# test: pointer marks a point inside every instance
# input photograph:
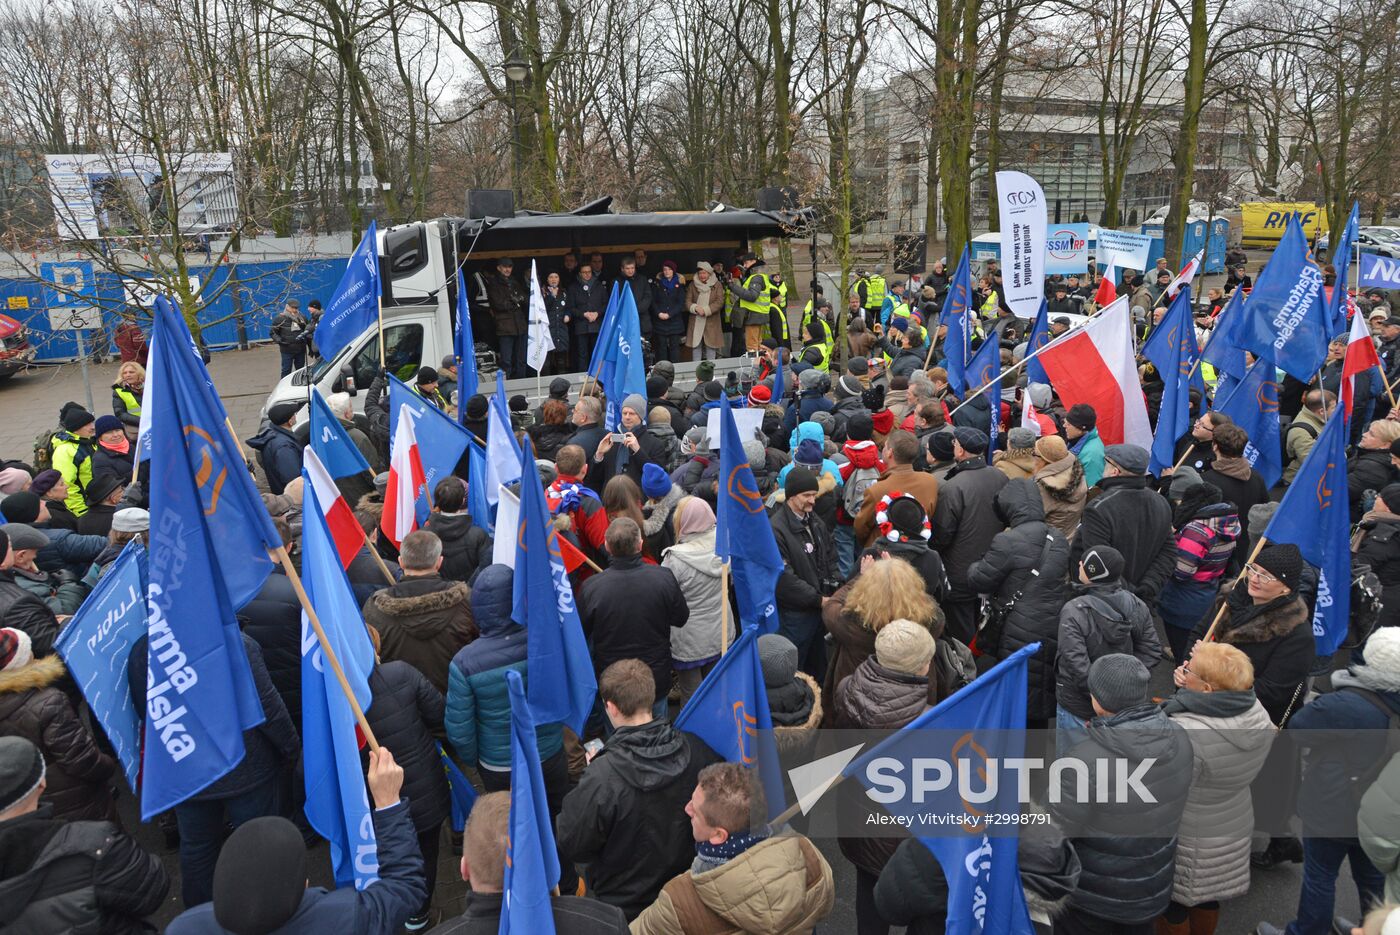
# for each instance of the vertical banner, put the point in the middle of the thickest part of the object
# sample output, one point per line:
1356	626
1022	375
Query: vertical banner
1021	205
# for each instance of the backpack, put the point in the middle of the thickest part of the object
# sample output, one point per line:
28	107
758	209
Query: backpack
861	480
43	450
1365	603
1287	430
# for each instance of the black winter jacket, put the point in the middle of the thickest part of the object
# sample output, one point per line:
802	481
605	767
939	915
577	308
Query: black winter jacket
548	439
465	545
965	520
587	297
670	302
641	293
1025	570
1277	637
628	611
1368	471
21	610
626	817
809	561
1380	548
1100	619
1137	521
273	619
1125	878
405	714
279	454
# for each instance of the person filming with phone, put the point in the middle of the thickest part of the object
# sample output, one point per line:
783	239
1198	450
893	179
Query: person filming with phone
628	450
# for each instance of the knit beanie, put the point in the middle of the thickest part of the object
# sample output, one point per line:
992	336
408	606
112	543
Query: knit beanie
16	649
656	483
1051	448
260	877
656	386
637	403
882	421
1118	682
827	422
810	380
20	508
809	455
1039	394
1382	653
859	427
44	481
799	480
13	480
847	386
1082	417
1103	563
704	371
21	771
940	446
903	646
1183	478
427	375
1390	493
757	456
476	407
777	656
75	417
1284	562
760	395
107	424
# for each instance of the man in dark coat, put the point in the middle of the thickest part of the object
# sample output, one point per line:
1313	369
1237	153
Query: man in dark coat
465	545
273	619
291	332
628	609
629	278
588	420
809	575
1132	518
507	298
22	610
277	447
588	300
67	875
964	524
1376	543
103	495
637	448
626	817
260	881
1228	470
1126	880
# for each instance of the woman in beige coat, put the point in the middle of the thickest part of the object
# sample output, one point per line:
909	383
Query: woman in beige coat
1060	478
704	300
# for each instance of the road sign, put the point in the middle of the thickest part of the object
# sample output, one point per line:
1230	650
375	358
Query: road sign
75	318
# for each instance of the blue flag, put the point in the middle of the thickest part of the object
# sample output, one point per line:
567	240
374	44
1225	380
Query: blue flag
1286	320
729	711
96	644
1038	338
984	368
778	381
460	788
606	332
562	683
464	346
1252	404
337	805
1341	262
502	451
331	443
210	535
532	859
743	534
957	309
623	371
979	862
1172	350
1223	349
354	305
441	439
477	504
1314	516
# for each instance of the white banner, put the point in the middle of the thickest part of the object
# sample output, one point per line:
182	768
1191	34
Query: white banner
1021	206
507	519
541	341
105	194
1122	250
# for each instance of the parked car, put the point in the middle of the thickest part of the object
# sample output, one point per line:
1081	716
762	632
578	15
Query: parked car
15	351
1383	241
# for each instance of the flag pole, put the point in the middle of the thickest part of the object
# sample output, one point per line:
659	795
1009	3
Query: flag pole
280	555
378	559
382	362
1210	633
724	609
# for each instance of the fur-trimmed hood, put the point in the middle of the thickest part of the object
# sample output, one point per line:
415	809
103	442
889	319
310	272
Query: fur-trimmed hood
40	673
1061	479
1270	621
794	735
661	511
447	595
825	485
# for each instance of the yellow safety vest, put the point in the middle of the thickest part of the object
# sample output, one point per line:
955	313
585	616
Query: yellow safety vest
825	365
990	306
132	401
763	287
875	292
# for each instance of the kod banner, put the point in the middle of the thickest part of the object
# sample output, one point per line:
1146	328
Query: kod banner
1021	204
1122	250
1379	272
1067	249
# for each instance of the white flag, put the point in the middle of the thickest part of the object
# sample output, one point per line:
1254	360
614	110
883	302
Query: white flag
1023	228
507	517
1028	419
541	343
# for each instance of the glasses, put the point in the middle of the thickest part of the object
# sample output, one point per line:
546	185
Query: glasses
1259	574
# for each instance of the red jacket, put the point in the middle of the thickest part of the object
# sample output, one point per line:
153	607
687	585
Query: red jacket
589	520
858	455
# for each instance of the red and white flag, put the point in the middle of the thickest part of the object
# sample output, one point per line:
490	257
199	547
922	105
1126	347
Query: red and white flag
1096	364
1107	292
1188	273
406	480
1028	414
340	519
1361	356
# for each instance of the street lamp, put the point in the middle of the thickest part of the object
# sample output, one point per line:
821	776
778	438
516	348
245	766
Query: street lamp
517	70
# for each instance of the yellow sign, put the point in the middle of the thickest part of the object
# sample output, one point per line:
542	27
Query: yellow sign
19	302
1263	222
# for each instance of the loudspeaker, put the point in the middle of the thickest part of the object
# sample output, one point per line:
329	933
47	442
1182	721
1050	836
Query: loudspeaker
910	253
778	199
490	203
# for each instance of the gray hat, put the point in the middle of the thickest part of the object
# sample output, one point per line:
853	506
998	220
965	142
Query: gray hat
1039	394
21	770
848	386
449	362
758	457
1260	515
778	656
381	482
1131	458
133	519
1020	437
973	441
637	403
1118	682
826	420
810	379
1183	479
695	436
25	537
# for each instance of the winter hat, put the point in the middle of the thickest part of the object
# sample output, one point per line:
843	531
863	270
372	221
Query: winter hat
13	480
107	424
16	649
900	324
656	483
810	379
1103	563
44	481
1283	561
134	519
760	395
381	482
827	422
20	508
1051	448
282	413
799	480
1131	458
476	407
1183	478
21	771
656	386
777	655
873	398
637	403
847	386
1390	493
712	390
1382	652
904	647
1118	682
883	421
76	417
704	371
558	388
518	403
973	441
695	439
906	517
260	877
102	486
808	455
858	366
859	427
665	370
1039	394
940	446
1020	438
757	455
1082	417
427	375
23	536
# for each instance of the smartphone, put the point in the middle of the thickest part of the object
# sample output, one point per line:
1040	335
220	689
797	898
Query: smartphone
592	749
618	438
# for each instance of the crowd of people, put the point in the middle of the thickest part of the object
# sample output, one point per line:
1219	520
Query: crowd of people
917	553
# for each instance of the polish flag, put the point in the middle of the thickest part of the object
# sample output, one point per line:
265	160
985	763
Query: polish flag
1029	419
340	519
1361	356
406	480
1188	273
1095	364
1107	291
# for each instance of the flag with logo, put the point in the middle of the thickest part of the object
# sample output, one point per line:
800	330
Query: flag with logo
1286	318
1341	262
332	443
354	305
623	372
210	536
743	534
1172	350
1039	337
606	332
541	342
464	346
441	440
985	370
532	858
1253	405
957	310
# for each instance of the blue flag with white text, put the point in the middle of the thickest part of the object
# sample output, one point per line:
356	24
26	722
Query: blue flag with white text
464	347
562	683
623	371
532	859
1038	338
743	533
337	804
979	861
1252	404
354	305
1285	319
441	439
729	711
1314	515
984	368
606	331
1172	350
210	535
1341	262
331	442
957	310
